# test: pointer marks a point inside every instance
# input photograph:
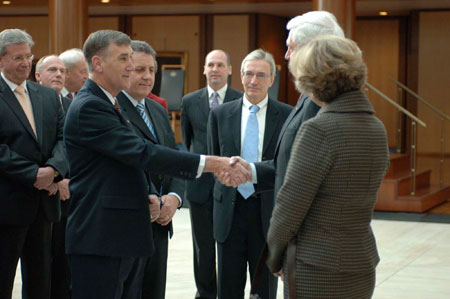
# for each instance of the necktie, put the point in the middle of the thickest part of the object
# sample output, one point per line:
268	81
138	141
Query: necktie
250	148
116	106
70	96
26	106
140	108
215	100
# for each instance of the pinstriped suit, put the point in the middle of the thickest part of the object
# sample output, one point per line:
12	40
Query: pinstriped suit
337	163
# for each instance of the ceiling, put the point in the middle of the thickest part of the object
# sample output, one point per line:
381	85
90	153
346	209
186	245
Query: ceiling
286	8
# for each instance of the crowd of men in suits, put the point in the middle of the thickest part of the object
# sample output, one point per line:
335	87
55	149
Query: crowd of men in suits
115	151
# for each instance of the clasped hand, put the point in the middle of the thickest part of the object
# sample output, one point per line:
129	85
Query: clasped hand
237	172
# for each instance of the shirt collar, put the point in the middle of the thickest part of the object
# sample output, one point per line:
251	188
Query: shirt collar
261	104
221	92
13	85
110	97
133	100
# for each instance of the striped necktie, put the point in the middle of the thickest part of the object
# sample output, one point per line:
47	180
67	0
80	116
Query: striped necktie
250	148
140	107
215	100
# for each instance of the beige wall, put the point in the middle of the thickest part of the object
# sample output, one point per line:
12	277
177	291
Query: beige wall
231	33
34	25
434	78
173	33
379	41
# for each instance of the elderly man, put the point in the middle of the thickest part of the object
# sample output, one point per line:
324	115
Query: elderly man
151	122
77	71
51	72
109	235
194	118
32	160
248	127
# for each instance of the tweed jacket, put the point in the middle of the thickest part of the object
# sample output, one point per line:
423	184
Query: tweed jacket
338	161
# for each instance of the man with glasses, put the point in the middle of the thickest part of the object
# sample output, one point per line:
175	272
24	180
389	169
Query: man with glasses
32	161
249	128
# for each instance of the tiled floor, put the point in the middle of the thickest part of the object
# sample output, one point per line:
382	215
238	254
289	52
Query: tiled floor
415	261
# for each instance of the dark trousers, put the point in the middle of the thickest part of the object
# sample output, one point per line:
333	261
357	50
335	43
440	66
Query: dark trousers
243	247
204	249
101	277
60	266
31	244
154	286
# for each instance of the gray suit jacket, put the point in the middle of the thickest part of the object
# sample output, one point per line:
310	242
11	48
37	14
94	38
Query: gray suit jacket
194	118
224	139
337	163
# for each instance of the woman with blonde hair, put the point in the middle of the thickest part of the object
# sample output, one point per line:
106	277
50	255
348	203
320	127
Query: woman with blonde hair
338	161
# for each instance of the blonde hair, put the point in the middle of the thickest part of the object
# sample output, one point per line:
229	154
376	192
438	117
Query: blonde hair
328	66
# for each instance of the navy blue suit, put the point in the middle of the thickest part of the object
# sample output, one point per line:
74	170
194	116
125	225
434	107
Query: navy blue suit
109	213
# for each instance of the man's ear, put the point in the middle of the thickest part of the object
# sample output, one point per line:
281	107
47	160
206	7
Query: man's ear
229	70
38	77
97	64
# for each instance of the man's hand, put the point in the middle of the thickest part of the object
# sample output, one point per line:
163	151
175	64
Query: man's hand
279	274
52	189
154	207
169	207
238	172
44	177
63	188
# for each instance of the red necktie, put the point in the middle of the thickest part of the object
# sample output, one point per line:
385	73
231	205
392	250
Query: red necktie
117	107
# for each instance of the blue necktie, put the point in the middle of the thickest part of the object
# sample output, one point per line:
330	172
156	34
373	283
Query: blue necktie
250	148
140	108
215	100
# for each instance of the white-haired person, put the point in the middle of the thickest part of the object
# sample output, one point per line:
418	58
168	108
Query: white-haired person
338	161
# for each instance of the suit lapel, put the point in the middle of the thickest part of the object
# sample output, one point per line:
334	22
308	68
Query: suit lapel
37	103
271	124
135	117
204	103
228	97
11	100
236	118
154	121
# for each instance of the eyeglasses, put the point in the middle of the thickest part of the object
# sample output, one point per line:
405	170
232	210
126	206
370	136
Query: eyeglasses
19	58
259	76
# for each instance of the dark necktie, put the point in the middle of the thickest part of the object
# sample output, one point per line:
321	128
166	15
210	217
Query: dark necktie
117	107
70	96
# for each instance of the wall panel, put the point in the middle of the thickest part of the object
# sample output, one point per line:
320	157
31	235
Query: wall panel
231	34
102	23
379	41
173	33
434	78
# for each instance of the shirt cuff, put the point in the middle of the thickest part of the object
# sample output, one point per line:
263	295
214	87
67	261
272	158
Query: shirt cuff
201	165
180	201
254	176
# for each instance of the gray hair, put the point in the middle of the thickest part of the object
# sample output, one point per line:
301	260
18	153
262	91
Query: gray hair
260	54
71	57
40	62
139	46
307	26
14	37
99	41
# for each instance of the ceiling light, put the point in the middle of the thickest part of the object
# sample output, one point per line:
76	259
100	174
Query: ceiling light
383	13
105	1
6	2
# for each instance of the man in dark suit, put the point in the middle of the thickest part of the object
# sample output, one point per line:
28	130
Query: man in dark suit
32	160
51	72
249	128
194	117
269	175
109	234
154	125
77	71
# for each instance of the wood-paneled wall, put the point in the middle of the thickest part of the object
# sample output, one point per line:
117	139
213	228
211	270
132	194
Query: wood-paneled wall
379	41
102	23
434	78
35	26
173	33
231	34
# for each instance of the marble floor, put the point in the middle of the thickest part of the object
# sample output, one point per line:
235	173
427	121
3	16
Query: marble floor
415	261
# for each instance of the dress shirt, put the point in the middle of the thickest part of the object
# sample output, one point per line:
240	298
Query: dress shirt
261	116
221	94
13	86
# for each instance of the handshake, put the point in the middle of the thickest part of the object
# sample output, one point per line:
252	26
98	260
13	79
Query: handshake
231	172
